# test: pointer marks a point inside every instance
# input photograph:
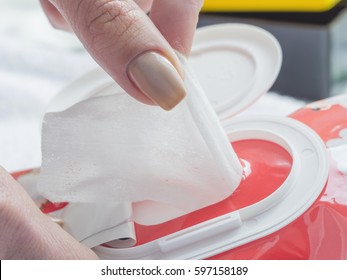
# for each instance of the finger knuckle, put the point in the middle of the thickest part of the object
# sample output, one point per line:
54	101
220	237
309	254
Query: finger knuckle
107	22
107	14
102	14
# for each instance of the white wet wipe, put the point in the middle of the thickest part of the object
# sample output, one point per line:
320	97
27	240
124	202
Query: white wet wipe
115	149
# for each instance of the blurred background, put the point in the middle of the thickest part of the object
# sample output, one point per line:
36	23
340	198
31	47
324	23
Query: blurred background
37	61
312	34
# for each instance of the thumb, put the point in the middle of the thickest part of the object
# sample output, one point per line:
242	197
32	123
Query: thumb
26	233
125	42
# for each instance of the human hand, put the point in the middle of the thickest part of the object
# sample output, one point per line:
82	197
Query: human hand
135	49
26	233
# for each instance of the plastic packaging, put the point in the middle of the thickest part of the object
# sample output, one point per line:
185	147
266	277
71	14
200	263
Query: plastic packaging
292	201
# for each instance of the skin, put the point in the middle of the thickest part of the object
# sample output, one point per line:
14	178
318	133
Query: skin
114	33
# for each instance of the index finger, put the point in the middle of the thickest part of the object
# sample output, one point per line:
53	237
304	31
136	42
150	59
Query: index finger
126	43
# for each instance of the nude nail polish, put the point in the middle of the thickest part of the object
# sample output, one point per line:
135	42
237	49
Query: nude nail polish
157	78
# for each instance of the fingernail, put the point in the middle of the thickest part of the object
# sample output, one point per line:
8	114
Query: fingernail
158	79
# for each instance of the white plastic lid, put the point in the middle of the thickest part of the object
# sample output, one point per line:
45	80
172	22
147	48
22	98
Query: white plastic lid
303	185
236	64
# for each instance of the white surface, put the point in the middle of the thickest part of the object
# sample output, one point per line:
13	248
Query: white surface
36	61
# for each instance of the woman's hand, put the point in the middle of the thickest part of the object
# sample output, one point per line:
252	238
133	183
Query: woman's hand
135	49
26	233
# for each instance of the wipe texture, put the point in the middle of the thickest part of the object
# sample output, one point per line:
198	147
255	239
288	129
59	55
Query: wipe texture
113	148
